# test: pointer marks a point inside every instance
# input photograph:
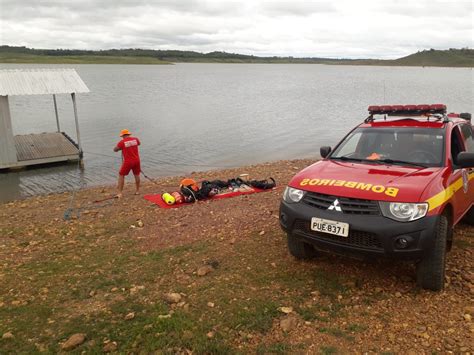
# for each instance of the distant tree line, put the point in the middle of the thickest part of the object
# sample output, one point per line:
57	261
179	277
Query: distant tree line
463	57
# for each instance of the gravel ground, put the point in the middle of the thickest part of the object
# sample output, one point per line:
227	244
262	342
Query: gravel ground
375	306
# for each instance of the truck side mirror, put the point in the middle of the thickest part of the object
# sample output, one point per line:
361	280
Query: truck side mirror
465	160
324	151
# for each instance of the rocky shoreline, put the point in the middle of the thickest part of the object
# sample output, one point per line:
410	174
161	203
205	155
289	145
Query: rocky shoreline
111	274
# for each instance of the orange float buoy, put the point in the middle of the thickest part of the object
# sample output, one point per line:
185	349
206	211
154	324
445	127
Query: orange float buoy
178	197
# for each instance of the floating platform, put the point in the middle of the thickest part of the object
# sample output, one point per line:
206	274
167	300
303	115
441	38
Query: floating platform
43	148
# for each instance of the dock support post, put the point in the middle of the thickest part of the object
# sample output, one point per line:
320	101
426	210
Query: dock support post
56	112
78	134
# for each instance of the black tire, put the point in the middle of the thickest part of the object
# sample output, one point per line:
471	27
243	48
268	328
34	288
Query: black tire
299	249
431	269
469	217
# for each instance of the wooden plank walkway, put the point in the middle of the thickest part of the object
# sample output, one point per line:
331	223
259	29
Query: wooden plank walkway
44	146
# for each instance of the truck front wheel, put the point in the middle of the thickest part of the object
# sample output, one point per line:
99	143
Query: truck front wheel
431	269
469	217
300	249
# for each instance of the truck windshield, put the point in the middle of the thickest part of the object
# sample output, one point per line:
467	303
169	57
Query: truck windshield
393	145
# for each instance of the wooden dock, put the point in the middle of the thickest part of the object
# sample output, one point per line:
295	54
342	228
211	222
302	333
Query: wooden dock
43	148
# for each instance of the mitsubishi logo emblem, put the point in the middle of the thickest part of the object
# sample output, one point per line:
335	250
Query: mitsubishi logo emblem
335	206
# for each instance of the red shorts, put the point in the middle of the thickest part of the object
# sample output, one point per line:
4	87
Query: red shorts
130	165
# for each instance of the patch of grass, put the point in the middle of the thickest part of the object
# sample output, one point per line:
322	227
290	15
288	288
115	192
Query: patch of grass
338	333
256	315
277	348
356	328
328	350
329	284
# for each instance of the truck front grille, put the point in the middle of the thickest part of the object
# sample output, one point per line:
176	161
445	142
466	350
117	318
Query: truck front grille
360	239
348	205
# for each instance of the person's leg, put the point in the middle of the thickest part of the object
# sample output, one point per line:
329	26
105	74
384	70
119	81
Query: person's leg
124	170
121	182
136	173
137	184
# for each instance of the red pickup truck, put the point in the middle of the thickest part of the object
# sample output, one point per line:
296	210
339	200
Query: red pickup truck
395	187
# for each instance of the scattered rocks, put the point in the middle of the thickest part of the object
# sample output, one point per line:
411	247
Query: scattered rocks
130	316
288	323
172	297
204	270
8	335
285	310
74	341
110	347
135	289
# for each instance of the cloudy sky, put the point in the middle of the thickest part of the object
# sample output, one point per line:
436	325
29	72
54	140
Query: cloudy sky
338	28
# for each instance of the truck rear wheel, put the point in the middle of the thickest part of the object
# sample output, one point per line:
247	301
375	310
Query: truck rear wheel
300	249
431	269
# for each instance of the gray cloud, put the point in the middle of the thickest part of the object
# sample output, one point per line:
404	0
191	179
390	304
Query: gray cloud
344	28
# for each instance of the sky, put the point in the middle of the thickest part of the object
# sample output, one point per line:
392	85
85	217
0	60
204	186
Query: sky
384	29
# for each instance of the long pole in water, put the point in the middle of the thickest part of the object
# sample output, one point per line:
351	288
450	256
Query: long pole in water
56	112
78	134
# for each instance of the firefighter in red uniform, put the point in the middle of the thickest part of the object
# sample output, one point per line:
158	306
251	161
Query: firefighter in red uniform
131	160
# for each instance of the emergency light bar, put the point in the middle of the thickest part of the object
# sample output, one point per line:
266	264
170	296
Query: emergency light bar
407	109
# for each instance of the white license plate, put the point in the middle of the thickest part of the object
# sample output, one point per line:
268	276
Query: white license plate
331	227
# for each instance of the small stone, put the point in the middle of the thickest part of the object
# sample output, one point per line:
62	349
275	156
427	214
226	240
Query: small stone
210	335
114	289
210	304
273	264
261	233
73	341
8	335
172	297
204	270
130	316
467	317
16	303
398	294
288	323
285	310
139	223
164	316
109	347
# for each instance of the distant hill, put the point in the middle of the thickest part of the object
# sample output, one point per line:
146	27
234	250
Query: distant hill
12	54
432	57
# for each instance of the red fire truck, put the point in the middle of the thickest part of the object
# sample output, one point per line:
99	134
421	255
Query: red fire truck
394	187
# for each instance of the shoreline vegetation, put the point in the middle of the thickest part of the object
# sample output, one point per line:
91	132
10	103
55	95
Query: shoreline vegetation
13	54
211	278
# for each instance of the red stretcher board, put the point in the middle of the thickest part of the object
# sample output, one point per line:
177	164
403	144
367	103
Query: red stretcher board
157	200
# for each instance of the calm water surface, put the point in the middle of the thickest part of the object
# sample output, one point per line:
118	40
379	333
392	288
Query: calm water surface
205	116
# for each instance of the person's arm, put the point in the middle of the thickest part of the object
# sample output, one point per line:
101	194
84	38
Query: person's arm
118	147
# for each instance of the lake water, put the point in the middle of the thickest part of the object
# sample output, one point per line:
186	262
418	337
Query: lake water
205	116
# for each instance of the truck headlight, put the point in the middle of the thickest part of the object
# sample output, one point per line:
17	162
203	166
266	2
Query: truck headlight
292	195
404	212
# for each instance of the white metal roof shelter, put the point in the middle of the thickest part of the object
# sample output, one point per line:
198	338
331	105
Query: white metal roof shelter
32	149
